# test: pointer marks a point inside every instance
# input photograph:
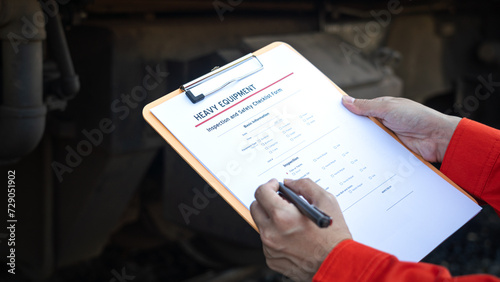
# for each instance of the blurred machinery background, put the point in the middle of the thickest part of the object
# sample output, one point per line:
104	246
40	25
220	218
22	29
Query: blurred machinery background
100	196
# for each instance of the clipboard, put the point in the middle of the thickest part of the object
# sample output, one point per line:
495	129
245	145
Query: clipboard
195	97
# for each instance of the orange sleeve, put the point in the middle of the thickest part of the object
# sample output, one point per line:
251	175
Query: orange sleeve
352	261
472	160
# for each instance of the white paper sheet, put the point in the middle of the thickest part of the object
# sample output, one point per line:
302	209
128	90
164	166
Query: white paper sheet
289	123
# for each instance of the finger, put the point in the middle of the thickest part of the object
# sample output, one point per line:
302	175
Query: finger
367	107
259	215
267	197
317	196
313	193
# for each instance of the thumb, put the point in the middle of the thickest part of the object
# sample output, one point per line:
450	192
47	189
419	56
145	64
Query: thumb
316	196
365	107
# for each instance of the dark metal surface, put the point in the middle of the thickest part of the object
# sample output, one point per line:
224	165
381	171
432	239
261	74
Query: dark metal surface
355	73
22	112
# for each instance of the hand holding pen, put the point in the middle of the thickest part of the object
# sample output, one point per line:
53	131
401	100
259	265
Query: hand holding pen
283	228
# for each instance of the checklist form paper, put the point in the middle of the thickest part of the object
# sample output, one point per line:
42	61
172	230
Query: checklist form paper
287	121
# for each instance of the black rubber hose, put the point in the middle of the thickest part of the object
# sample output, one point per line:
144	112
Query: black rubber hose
59	51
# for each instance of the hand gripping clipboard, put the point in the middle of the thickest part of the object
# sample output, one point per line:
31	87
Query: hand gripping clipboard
195	97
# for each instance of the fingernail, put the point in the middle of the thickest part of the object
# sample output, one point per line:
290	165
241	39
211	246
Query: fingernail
348	99
285	180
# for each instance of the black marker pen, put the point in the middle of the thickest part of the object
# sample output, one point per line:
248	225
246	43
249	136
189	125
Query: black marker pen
312	212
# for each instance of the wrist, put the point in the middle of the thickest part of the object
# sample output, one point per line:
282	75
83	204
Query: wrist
447	130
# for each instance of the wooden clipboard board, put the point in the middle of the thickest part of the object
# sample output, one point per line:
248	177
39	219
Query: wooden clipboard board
211	179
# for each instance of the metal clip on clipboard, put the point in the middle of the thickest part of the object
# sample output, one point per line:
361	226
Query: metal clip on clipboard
189	87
